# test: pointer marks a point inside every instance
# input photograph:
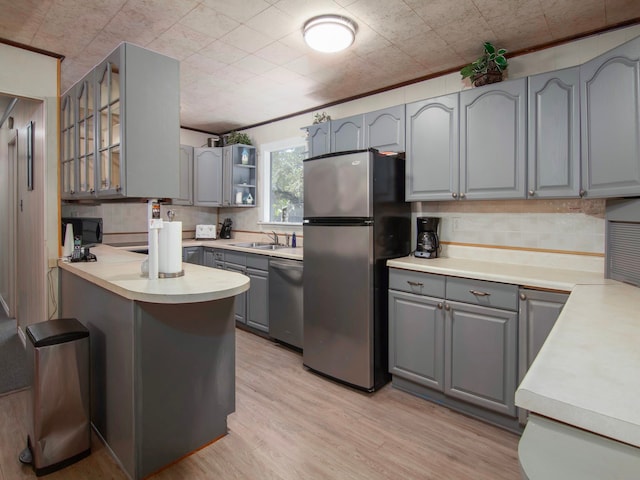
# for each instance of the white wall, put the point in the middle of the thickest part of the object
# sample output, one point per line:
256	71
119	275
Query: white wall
31	75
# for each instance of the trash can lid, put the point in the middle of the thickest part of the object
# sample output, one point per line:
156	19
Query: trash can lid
54	332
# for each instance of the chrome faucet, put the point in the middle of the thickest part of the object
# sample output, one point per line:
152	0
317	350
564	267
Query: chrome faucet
273	236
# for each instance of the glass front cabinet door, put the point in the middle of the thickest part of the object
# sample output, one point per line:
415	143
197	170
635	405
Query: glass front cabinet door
86	158
68	147
109	132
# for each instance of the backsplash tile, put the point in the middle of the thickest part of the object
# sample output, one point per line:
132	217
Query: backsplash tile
568	225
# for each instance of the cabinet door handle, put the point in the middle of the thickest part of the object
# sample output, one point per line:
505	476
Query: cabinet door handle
454	195
415	284
523	297
582	193
478	293
462	195
440	306
532	193
447	307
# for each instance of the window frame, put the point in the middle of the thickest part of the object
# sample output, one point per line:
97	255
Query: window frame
266	150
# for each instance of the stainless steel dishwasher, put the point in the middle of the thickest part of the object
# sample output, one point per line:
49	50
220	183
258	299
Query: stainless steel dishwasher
285	301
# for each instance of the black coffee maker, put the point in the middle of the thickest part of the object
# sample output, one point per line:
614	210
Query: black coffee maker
427	245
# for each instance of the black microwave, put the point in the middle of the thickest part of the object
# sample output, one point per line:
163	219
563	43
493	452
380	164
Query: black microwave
88	229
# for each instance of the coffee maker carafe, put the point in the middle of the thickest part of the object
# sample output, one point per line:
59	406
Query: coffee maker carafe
427	245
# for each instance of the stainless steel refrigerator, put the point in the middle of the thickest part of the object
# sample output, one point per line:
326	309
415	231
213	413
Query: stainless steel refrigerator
355	218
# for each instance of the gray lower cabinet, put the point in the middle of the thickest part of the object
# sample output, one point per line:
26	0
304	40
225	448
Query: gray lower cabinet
347	134
554	134
186	176
192	255
493	133
538	313
481	356
258	293
455	340
385	129
207	180
213	258
252	306
416	338
319	139
432	156
610	113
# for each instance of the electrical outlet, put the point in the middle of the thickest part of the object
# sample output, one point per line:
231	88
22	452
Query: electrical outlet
53	262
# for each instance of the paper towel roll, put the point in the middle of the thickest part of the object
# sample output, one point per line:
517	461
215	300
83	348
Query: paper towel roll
68	241
170	248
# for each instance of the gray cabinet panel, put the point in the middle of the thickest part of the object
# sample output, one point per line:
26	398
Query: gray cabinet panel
432	149
227	169
347	134
318	140
416	339
240	306
482	292
385	129
186	176
207	177
610	101
417	282
554	134
258	299
493	141
538	313
480	356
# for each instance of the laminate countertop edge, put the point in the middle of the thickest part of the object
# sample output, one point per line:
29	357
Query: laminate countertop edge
119	271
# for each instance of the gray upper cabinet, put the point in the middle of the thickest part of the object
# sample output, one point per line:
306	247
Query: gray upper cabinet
554	134
347	134
240	176
207	184
432	149
385	129
138	124
493	123
610	100
186	176
319	139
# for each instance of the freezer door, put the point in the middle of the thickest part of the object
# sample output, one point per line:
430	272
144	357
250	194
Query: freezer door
338	186
338	302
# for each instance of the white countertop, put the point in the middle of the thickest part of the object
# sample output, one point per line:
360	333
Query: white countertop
586	373
525	275
227	244
118	271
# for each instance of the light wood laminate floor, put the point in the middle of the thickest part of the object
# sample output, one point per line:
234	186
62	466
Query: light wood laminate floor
292	424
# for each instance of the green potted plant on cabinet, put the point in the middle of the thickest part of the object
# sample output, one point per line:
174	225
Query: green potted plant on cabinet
488	68
237	137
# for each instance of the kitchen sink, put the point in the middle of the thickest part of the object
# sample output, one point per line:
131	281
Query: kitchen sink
259	245
271	246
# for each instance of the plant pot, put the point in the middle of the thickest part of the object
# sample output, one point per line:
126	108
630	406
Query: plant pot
487	78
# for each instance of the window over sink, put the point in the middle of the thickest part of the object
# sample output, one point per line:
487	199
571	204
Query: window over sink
283	181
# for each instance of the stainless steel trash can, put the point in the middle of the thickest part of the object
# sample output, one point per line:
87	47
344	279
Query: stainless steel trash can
58	362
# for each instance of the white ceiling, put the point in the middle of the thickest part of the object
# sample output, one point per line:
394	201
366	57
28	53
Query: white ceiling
244	62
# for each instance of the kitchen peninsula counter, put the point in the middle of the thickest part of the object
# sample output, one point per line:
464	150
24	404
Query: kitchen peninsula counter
583	385
162	355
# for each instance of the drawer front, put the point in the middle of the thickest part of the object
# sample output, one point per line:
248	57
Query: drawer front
233	257
481	292
218	255
260	262
417	282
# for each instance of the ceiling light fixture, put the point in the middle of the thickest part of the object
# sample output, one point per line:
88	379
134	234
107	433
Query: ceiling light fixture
329	33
